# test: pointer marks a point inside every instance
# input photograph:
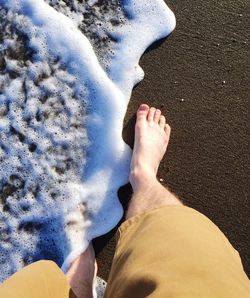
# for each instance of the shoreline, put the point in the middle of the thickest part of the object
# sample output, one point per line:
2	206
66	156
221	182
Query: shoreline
199	78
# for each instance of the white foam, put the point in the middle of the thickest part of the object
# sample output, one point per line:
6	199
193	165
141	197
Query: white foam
62	155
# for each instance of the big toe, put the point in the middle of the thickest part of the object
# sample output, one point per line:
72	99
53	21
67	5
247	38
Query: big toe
142	112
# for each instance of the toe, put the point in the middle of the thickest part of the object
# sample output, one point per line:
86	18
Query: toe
162	122
157	116
167	129
151	114
142	112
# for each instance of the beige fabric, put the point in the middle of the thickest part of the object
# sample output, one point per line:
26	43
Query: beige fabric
175	252
39	280
168	252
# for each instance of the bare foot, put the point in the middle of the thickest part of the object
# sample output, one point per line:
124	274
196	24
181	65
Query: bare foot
82	273
151	140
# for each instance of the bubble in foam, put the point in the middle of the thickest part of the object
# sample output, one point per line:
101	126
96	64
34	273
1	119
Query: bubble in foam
62	139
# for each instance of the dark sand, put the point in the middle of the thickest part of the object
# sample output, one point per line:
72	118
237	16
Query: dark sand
205	62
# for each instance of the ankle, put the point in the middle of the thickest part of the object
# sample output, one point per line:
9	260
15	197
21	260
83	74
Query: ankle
151	197
142	178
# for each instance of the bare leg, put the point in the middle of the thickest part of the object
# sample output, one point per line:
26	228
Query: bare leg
82	272
173	251
151	140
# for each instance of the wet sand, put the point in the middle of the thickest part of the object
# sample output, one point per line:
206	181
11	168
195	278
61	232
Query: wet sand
199	77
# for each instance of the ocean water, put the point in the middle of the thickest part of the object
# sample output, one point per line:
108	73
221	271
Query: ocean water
67	70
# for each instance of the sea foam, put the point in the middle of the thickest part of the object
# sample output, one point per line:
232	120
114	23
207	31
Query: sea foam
66	77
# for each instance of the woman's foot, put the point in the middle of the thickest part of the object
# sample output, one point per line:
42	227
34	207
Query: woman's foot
82	274
151	140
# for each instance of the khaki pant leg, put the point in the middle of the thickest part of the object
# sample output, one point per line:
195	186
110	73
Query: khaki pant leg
175	251
42	279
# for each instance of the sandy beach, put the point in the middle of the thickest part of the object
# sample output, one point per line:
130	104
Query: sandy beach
199	77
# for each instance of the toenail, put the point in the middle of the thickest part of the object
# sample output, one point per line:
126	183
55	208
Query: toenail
143	107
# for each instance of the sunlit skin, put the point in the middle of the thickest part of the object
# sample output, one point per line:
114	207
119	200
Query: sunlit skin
152	135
